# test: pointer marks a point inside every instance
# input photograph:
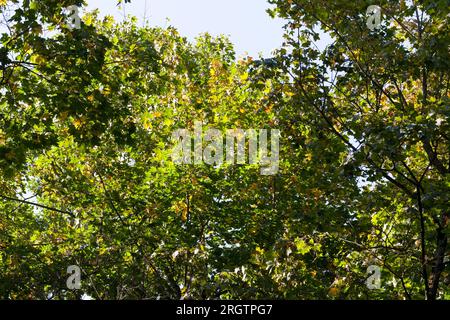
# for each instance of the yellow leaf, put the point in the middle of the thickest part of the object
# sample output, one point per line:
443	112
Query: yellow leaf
38	59
2	139
148	125
259	250
106	91
334	292
244	76
127	257
184	215
289	93
302	246
78	123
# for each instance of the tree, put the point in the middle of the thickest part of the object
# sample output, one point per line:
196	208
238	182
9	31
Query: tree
384	94
87	177
107	196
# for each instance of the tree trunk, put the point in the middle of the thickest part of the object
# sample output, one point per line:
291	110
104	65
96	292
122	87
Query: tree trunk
439	263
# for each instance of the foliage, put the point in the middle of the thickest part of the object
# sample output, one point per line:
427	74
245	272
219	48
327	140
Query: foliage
86	120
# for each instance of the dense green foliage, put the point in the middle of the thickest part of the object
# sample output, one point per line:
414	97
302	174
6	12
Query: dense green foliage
86	176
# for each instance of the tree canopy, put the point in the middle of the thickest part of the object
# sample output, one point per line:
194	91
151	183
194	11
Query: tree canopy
87	177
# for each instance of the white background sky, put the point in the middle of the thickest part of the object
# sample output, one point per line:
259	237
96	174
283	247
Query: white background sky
246	22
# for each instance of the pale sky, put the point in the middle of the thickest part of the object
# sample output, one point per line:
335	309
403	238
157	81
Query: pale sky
246	22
